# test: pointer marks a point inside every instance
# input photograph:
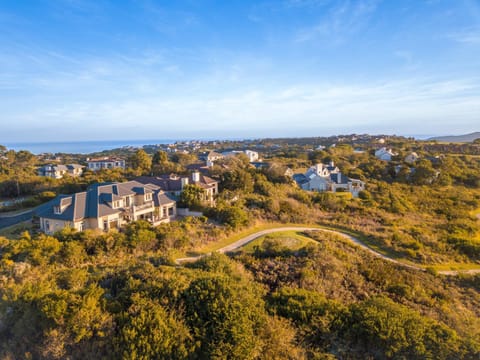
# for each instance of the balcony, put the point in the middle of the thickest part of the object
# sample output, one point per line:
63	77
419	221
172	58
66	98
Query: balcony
148	205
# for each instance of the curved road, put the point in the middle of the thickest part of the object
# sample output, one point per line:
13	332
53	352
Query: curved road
354	240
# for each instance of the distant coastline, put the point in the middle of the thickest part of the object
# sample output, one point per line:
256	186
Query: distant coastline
80	147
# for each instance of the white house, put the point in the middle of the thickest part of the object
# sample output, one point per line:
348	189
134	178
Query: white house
384	154
105	163
411	158
252	155
58	171
107	206
323	177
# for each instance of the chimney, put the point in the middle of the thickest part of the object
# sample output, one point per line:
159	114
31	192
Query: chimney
332	164
184	182
195	176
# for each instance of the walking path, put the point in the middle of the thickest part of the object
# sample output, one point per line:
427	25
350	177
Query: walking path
239	243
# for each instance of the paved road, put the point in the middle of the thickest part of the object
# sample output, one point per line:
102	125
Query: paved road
7	220
352	239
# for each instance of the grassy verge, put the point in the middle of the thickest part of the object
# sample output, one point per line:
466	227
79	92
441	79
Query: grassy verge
240	235
293	240
455	266
14	231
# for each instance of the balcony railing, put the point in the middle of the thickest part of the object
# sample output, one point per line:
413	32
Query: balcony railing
148	205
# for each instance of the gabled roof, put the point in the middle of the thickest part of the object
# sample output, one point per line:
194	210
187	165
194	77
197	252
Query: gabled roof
75	207
95	202
173	183
339	178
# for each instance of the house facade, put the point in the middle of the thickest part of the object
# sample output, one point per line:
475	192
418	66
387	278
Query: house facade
327	177
107	206
59	171
107	162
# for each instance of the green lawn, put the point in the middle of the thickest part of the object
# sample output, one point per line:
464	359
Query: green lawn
455	266
293	240
214	246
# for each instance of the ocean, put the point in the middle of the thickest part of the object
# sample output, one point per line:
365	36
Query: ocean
80	147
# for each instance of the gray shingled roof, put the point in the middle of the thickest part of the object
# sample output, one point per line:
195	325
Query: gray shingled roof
339	176
95	202
174	183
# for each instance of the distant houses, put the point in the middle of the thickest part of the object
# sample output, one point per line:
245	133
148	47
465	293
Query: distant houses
213	156
327	177
59	171
106	162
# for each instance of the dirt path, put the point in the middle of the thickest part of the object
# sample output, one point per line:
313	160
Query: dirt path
239	243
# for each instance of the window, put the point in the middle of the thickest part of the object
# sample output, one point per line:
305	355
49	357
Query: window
82	226
47	225
57	210
148	197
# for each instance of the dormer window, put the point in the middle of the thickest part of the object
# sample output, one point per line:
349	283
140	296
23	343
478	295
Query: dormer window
57	210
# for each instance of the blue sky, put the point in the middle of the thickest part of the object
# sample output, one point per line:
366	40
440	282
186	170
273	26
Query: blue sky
90	70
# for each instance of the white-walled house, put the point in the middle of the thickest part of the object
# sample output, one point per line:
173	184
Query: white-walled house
106	162
107	206
327	177
384	154
411	158
59	171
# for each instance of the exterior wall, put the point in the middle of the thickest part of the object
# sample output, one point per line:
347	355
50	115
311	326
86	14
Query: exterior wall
107	164
49	226
318	184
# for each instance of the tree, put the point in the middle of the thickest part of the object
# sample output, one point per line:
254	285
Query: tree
160	157
191	196
148	331
141	162
226	318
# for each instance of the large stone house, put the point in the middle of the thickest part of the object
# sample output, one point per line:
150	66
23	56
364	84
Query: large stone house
105	163
58	171
107	206
174	184
327	177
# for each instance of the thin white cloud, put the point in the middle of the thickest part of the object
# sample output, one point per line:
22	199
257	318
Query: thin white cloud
304	109
343	20
468	36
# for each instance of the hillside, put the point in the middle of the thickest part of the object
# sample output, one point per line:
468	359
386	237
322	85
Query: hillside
458	138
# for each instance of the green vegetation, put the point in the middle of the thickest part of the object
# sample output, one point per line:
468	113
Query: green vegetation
94	295
289	295
281	241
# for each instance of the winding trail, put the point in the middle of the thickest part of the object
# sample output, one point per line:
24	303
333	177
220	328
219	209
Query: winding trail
239	243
